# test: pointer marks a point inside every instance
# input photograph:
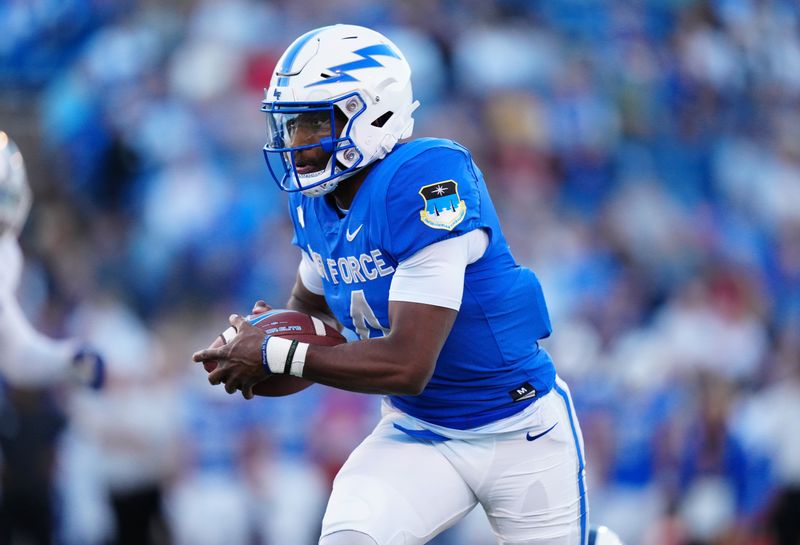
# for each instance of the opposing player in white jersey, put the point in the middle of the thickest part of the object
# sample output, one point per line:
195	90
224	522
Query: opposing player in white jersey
401	244
29	358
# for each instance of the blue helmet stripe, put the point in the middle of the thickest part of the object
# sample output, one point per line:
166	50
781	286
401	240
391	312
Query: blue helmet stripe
291	55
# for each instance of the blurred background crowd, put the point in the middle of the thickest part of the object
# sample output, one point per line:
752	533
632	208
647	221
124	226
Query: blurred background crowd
644	158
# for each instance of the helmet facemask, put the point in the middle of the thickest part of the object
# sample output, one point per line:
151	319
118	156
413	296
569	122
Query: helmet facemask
309	146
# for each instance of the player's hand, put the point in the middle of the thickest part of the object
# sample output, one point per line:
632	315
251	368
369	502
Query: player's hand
260	308
88	368
239	364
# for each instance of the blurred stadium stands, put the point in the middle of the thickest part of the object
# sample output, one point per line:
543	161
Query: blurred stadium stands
643	156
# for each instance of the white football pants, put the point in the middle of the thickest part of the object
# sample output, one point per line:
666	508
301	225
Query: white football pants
527	473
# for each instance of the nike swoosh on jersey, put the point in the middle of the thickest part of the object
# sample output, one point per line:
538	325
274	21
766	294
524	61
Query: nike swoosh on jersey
530	437
350	236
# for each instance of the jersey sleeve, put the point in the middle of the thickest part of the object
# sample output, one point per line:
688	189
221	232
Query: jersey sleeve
433	196
309	275
29	358
435	274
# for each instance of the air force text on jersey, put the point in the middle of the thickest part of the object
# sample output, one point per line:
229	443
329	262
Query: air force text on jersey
352	268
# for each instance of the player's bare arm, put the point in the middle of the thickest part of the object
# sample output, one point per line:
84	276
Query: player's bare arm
400	363
30	359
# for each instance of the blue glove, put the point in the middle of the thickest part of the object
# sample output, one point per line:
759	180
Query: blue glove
89	368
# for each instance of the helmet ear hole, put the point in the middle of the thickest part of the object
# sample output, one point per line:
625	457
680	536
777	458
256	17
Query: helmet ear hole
340	119
381	120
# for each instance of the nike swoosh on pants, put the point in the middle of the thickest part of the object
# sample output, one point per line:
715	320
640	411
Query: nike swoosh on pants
530	437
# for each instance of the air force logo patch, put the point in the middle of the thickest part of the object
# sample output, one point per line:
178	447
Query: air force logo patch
443	207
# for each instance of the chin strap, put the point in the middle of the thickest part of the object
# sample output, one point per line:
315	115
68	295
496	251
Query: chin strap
329	186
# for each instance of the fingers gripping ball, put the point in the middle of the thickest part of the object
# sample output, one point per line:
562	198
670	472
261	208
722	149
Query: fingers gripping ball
290	324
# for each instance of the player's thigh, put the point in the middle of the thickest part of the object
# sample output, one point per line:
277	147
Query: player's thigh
397	490
536	493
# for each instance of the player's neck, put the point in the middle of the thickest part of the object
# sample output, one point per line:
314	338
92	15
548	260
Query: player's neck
346	191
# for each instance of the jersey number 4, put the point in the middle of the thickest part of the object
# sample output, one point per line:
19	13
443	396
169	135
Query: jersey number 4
364	319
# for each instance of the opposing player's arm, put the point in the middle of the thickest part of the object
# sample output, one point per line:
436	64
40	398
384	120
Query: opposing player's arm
31	359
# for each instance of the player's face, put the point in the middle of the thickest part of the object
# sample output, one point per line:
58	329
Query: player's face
309	128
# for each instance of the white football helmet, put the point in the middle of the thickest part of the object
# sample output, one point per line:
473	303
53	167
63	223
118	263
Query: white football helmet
603	535
15	194
344	72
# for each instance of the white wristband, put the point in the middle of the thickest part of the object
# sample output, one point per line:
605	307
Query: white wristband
285	356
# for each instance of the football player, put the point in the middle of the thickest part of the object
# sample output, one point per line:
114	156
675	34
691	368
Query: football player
29	359
401	244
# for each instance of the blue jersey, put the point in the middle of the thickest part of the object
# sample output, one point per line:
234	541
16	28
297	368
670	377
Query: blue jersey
423	192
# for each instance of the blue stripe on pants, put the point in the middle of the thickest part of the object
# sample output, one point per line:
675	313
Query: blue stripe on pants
581	487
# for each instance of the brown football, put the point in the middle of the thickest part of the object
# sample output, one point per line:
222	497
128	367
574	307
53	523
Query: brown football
290	324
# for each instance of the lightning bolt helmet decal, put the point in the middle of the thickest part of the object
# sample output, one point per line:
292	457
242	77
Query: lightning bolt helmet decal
366	61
